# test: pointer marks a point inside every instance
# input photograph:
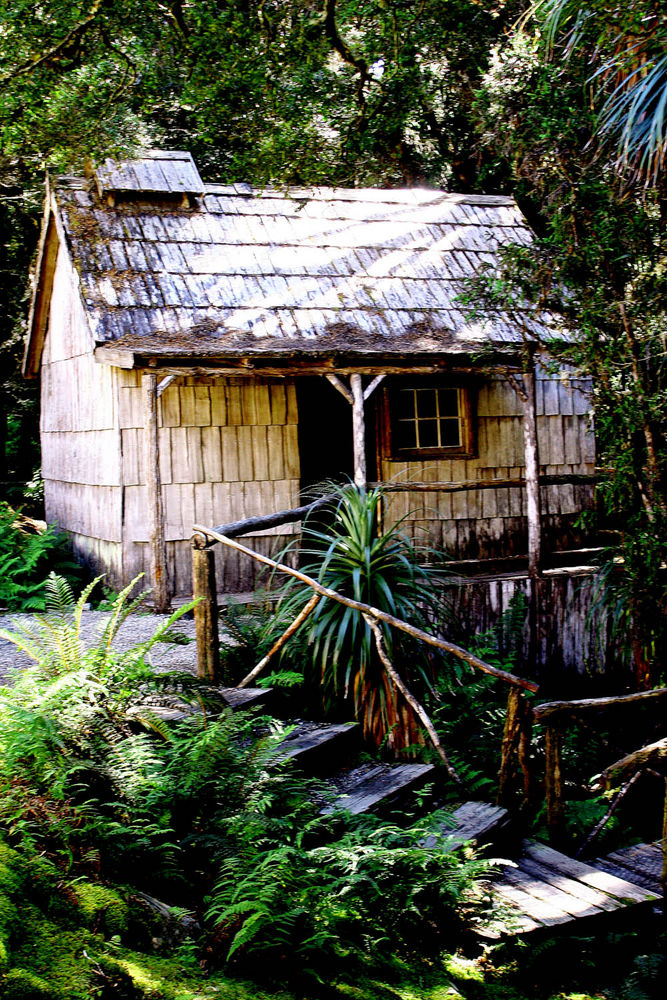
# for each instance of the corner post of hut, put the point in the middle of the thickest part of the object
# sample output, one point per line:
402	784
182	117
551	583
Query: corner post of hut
533	514
154	506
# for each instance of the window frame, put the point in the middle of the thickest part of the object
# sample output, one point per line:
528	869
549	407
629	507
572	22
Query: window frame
465	389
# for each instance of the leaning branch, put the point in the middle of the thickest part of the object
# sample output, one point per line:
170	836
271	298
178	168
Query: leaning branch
279	643
73	35
633	762
376	613
416	706
344	51
613	806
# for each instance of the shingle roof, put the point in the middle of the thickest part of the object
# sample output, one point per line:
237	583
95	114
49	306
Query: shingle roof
168	172
291	272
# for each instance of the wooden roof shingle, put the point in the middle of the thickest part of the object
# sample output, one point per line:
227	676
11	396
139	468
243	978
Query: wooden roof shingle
288	273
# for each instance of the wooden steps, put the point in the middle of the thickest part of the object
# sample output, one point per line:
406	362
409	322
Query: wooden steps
471	823
235	698
240	698
372	788
320	748
548	889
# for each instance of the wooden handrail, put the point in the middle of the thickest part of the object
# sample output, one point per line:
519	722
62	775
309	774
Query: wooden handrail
265	521
553	714
376	613
550	708
567	479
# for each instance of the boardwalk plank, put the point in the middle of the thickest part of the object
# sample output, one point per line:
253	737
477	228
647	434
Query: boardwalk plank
551	894
543	913
572	886
615	887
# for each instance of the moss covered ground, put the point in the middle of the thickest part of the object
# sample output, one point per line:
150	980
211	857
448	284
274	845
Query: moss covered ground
70	941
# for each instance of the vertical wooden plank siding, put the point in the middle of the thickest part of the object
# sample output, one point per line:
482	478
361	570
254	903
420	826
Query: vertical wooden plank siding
80	447
213	468
155	509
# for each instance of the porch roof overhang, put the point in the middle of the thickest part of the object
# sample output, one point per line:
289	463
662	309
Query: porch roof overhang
297	361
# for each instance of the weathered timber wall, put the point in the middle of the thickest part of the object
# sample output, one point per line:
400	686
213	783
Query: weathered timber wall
228	450
492	523
80	446
566	640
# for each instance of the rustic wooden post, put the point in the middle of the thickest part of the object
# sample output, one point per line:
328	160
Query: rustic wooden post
155	515
356	396
533	513
663	876
358	431
204	590
515	746
553	781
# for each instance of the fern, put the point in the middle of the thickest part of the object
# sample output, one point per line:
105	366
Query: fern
25	560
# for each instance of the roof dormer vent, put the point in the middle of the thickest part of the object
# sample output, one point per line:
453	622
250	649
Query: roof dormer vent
169	176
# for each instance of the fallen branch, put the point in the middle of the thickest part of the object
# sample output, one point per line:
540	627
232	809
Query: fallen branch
279	643
416	706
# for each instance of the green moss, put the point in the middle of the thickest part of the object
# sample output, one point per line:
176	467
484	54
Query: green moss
10	880
20	984
101	908
55	956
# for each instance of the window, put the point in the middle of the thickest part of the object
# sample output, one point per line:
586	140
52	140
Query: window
427	419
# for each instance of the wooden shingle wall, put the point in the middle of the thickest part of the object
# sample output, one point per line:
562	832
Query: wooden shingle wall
491	523
228	450
80	447
565	639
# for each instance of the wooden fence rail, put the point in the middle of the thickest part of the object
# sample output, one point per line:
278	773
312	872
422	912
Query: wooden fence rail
520	714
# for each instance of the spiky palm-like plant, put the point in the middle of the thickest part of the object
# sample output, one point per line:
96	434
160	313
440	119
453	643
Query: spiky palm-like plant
382	568
626	45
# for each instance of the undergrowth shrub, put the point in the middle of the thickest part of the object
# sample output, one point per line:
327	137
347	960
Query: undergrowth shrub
26	558
470	707
97	791
379	566
374	891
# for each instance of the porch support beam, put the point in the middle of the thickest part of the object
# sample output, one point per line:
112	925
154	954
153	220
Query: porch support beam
341	387
154	508
356	396
358	431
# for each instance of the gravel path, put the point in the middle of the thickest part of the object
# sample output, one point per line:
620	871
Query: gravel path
138	628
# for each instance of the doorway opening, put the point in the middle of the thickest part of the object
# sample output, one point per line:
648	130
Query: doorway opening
325	435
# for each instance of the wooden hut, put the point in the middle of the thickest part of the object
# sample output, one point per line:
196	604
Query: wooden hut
209	352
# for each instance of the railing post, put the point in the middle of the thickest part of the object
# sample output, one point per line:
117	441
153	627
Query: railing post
204	589
515	747
553	781
663	875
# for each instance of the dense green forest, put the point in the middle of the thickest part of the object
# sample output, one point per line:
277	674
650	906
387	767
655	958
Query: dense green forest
560	103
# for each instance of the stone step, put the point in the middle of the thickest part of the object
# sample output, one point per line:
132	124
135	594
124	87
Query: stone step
376	787
320	748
